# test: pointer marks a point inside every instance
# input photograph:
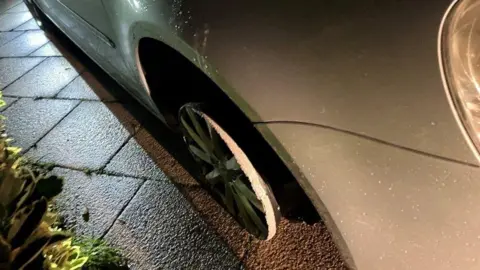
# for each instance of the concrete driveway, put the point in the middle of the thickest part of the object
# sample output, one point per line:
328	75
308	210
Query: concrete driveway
123	167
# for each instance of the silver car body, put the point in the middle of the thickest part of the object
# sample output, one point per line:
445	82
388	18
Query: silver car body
349	94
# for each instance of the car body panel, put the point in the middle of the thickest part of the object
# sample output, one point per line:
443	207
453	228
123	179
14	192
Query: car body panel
396	209
348	92
93	12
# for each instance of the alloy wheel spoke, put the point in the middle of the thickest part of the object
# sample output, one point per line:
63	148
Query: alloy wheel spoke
248	193
252	214
199	129
229	198
232	164
200	154
213	174
193	135
243	212
216	141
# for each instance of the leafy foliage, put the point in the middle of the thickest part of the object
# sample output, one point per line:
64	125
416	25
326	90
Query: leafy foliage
29	234
64	256
100	254
24	220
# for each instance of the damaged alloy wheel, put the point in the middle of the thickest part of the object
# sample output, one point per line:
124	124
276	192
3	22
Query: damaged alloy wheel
228	173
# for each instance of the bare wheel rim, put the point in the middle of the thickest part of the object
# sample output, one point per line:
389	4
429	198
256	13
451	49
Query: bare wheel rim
229	174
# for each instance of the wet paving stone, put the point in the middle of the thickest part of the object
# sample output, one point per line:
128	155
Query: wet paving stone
86	87
8	36
90	204
23	45
87	138
18	8
160	230
133	160
48	49
30	25
45	80
29	120
13	68
5	5
10	21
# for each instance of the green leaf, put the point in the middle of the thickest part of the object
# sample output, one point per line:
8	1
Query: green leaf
23	197
31	223
200	154
14	150
27	254
10	187
17	222
5	250
78	263
248	193
50	218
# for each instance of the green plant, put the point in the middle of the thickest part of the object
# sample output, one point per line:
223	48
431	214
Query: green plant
30	237
64	256
25	215
100	254
24	220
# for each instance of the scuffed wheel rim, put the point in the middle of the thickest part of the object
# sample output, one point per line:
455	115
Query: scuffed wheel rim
229	174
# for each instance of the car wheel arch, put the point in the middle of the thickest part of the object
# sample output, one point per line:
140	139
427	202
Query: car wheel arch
222	94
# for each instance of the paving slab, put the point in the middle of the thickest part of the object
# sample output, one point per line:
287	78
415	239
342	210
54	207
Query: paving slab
86	86
8	36
45	80
30	25
7	4
10	21
48	49
134	161
160	230
9	102
18	8
101	197
23	45
87	138
12	68
29	120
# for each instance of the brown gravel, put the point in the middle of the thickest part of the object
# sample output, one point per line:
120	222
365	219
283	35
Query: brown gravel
296	245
